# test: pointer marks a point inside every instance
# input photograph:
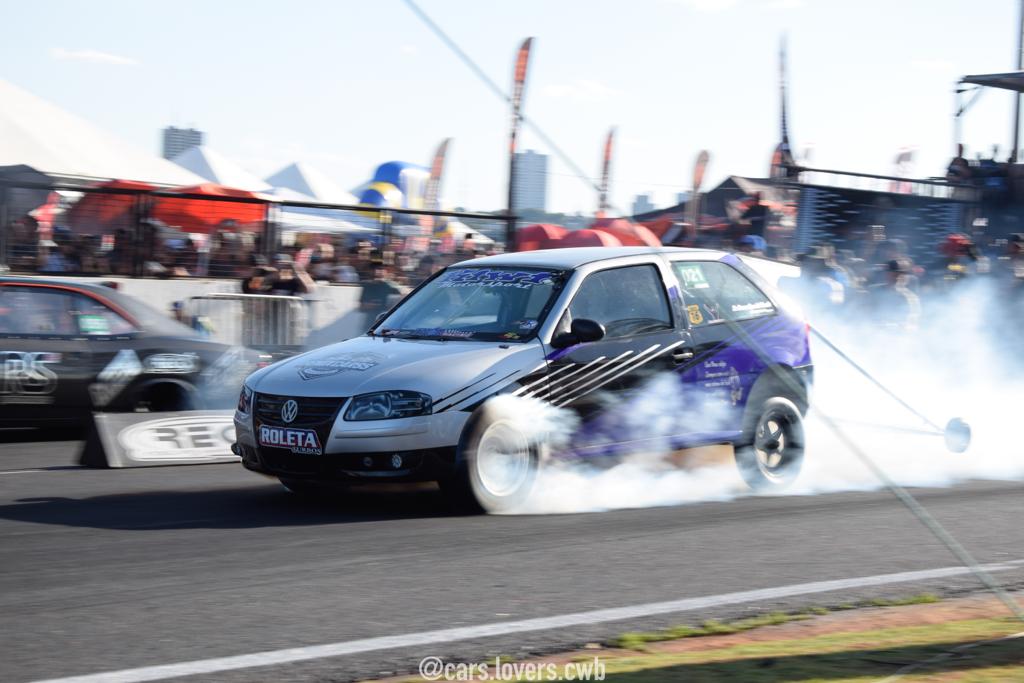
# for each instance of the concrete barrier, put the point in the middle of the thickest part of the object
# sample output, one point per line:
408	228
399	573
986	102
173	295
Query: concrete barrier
192	437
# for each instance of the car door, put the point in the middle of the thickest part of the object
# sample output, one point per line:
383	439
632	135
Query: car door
724	311
45	362
112	341
601	379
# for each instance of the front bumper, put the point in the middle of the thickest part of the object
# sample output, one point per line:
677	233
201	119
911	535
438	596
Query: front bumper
400	450
429	464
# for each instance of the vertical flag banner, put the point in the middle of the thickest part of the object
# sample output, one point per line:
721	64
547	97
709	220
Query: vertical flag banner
606	167
518	88
693	206
433	195
783	164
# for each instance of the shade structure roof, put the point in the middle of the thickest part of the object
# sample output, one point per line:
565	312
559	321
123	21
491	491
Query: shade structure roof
44	137
203	215
1013	80
214	167
539	236
311	182
589	238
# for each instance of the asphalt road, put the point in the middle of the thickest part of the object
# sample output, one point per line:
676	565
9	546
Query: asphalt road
112	570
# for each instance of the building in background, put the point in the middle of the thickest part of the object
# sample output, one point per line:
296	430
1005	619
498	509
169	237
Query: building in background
177	140
642	204
531	185
682	197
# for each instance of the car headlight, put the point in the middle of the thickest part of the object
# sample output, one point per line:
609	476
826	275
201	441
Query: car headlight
388	405
245	400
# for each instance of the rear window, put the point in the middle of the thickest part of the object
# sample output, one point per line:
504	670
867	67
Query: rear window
715	292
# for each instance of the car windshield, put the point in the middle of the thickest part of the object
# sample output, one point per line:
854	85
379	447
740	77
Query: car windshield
475	303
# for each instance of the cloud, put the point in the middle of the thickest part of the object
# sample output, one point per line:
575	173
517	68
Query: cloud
409	49
939	64
92	56
784	4
581	89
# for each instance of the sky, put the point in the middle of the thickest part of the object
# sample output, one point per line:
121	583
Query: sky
345	85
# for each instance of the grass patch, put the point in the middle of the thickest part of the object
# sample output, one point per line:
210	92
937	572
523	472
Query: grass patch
639	640
711	627
857	657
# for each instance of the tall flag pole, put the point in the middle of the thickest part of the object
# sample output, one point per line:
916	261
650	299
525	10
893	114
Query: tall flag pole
433	196
606	167
783	165
693	206
518	86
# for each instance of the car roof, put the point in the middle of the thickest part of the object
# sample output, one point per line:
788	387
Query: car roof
566	259
95	287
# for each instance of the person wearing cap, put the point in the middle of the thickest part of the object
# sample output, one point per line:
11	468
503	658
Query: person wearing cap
259	280
291	280
891	304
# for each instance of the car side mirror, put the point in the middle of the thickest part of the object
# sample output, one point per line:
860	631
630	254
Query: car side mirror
581	331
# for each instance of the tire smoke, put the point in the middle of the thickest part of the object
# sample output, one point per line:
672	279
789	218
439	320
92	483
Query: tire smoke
963	361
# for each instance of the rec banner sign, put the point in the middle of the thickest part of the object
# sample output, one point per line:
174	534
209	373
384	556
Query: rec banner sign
148	439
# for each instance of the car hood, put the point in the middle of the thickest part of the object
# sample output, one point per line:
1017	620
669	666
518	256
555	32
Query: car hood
367	364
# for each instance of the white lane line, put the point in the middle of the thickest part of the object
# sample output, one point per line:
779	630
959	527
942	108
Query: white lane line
501	628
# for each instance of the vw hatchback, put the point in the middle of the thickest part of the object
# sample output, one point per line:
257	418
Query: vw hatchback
594	331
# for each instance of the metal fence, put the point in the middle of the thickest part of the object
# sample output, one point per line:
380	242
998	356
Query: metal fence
257	321
130	229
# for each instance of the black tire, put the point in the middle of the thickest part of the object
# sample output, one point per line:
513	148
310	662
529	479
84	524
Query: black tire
772	451
496	464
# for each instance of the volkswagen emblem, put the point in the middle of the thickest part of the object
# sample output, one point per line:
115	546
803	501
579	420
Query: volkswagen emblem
289	411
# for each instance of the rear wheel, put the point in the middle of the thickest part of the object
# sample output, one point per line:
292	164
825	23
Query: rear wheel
773	451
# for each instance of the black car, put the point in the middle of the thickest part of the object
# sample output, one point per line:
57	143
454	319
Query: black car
70	348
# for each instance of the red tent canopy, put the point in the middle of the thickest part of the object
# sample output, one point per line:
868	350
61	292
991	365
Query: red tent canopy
207	214
628	233
589	238
100	212
539	236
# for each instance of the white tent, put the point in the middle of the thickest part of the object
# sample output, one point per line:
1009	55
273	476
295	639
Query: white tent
310	182
42	136
217	168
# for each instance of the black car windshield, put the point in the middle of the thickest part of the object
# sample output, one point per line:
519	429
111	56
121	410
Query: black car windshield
475	303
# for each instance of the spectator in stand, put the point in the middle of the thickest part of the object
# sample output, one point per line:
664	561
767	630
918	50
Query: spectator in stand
344	272
815	288
752	245
890	250
755	216
259	281
892	304
377	294
959	170
291	280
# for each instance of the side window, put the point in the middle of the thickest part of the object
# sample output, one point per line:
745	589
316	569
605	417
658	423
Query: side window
96	319
715	292
56	312
36	311
627	301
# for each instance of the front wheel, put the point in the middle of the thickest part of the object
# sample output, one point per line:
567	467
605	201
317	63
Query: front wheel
774	455
497	463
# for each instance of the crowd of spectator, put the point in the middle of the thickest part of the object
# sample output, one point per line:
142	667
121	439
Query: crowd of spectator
887	289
